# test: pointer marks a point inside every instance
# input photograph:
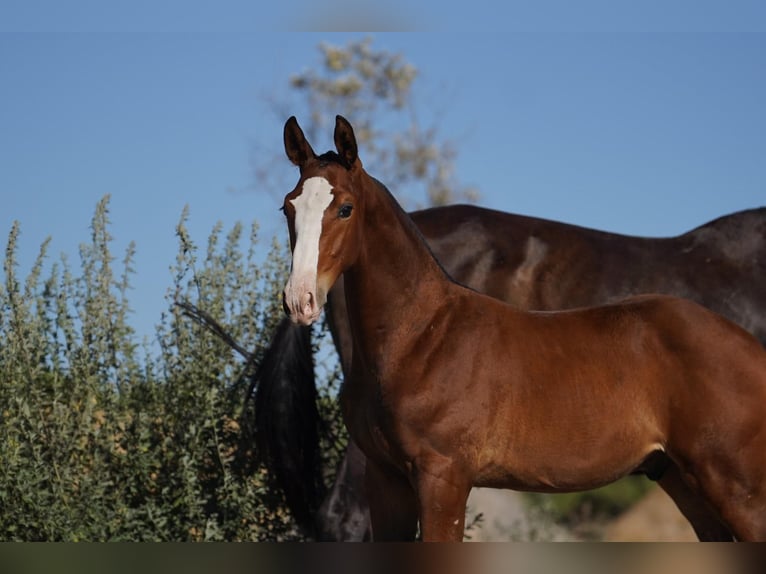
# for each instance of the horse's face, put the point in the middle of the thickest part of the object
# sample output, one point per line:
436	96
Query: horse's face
324	238
322	218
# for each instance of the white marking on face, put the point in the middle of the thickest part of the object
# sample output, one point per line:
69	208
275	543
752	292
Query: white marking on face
310	206
309	210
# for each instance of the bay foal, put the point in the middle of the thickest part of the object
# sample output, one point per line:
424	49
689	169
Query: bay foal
451	389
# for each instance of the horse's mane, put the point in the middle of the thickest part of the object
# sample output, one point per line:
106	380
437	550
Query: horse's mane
333	157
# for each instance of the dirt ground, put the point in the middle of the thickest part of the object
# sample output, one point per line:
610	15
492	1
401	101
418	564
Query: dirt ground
654	518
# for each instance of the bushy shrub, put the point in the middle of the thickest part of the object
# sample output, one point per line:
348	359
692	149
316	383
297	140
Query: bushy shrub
104	437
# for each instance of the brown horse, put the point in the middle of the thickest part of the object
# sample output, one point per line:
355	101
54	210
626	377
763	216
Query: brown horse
540	264
451	389
530	262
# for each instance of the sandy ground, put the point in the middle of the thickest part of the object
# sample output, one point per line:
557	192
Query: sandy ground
654	518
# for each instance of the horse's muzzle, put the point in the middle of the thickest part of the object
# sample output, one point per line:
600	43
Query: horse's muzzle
301	305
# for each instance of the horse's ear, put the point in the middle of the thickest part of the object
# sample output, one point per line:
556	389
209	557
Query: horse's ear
345	141
298	150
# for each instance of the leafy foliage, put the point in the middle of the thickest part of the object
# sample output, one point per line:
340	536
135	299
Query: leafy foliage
103	438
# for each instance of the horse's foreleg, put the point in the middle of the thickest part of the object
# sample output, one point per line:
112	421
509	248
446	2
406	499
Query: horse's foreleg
443	492
393	504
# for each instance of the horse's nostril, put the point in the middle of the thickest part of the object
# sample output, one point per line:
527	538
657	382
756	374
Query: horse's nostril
308	302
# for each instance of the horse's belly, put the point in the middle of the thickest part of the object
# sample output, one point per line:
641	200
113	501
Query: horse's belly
564	469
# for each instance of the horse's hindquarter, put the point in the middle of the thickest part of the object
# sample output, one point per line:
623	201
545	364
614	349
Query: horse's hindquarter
719	404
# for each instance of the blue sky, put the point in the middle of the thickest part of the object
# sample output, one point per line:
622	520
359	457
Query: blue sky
639	133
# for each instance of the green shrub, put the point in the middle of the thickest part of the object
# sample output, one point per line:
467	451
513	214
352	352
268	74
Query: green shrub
103	437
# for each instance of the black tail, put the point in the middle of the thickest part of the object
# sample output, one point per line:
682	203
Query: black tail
287	421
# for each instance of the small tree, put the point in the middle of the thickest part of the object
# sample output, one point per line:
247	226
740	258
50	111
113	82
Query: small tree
373	89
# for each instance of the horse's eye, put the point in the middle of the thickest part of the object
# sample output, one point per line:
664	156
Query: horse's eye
345	211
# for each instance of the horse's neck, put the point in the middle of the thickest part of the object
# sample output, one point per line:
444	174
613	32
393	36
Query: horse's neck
396	279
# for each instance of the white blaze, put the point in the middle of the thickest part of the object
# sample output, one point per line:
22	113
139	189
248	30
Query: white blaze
309	210
310	206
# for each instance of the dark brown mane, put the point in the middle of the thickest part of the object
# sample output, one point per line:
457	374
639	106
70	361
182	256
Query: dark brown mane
329	157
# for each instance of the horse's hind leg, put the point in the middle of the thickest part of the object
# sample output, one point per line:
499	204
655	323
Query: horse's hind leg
706	524
344	515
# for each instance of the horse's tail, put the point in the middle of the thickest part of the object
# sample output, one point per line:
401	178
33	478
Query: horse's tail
287	421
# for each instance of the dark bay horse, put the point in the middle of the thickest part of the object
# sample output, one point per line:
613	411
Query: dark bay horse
532	263
451	389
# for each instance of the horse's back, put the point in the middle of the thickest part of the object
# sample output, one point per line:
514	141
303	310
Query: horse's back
684	320
535	263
